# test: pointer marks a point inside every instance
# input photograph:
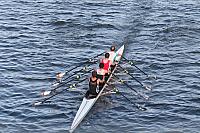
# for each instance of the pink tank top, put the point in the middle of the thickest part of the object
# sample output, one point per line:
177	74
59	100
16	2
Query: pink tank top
106	64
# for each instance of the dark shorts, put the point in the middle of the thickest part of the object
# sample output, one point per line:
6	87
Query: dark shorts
112	67
88	95
101	84
100	77
106	77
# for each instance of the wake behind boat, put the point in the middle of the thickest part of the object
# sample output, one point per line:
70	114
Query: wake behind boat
88	103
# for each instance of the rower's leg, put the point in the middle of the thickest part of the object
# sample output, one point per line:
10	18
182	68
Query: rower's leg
101	84
106	77
90	96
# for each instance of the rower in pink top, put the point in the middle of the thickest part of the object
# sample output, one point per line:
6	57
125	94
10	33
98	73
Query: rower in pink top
107	64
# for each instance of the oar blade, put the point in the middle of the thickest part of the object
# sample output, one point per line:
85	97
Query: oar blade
37	103
148	88
46	93
152	77
141	107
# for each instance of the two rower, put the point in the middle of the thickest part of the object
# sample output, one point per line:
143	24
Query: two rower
96	82
109	61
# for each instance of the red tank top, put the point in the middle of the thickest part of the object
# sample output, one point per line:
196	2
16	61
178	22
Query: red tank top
106	64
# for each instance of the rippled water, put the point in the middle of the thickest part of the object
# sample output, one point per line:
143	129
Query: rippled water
40	38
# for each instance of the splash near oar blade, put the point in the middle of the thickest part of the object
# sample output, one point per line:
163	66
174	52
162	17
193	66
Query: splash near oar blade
148	88
37	103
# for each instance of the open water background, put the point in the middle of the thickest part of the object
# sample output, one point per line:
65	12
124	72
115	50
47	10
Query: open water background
41	37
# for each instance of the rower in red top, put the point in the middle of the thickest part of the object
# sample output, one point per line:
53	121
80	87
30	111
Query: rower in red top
107	64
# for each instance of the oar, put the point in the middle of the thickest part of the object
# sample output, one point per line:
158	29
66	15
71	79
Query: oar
74	73
137	93
44	100
48	92
82	63
132	64
116	91
137	105
56	83
126	71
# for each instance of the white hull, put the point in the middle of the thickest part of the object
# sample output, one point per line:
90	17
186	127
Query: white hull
87	104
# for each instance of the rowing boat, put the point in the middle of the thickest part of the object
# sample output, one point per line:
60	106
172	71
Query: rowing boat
87	104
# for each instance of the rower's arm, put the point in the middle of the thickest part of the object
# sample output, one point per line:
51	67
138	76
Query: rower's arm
98	81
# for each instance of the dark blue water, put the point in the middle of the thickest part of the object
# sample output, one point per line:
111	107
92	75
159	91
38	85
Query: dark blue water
40	38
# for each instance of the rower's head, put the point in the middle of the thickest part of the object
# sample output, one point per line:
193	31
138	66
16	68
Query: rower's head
101	65
112	48
107	55
94	73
